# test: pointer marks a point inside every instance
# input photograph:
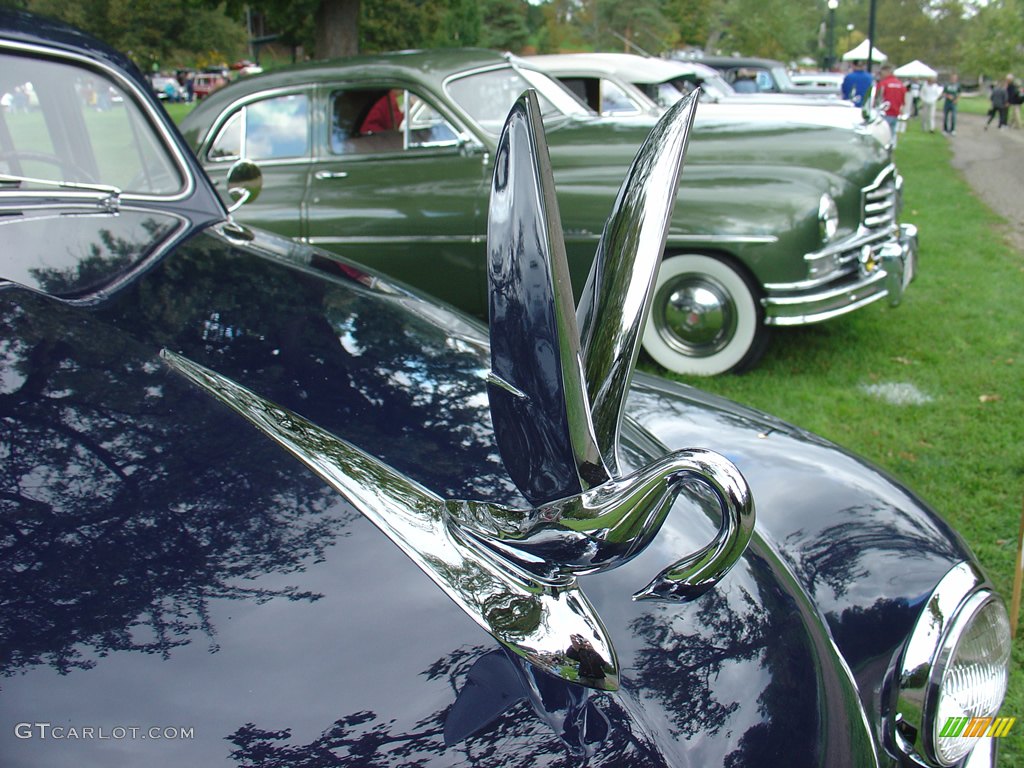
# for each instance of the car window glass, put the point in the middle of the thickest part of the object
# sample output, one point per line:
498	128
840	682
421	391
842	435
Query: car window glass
66	123
385	120
427	128
270	129
667	94
615	101
586	89
277	128
764	81
366	121
228	145
488	96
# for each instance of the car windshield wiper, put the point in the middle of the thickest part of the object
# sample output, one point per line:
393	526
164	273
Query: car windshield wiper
111	194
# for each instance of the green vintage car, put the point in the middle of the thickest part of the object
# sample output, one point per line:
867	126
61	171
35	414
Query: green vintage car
787	216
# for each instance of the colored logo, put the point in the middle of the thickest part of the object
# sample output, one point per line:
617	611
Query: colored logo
977	727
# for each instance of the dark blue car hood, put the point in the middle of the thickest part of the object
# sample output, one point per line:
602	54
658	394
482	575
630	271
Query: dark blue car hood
167	567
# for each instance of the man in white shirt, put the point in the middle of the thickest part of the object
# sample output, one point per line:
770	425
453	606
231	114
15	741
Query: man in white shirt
931	91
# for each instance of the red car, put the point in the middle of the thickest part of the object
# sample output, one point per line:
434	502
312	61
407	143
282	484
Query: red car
206	83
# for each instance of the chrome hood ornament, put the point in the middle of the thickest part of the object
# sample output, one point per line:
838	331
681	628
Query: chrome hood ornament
560	378
557	388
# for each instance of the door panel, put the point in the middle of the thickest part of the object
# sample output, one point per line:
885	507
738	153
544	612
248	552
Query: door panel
406	196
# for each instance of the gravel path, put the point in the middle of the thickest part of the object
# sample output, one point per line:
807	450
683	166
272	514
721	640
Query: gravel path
992	162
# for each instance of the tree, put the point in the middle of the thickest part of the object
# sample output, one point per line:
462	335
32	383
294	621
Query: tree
506	28
164	33
991	42
337	28
691	19
634	26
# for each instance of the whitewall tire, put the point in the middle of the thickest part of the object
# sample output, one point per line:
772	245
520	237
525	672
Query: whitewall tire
705	319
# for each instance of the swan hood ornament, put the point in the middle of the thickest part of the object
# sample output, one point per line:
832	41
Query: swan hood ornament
557	387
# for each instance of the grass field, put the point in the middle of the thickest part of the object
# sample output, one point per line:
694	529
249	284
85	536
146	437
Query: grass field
958	339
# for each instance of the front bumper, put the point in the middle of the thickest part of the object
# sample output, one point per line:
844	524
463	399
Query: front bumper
884	267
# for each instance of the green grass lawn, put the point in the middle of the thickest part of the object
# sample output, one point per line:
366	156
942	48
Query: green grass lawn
179	110
958	338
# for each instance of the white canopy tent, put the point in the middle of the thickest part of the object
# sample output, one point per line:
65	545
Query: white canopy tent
915	69
860	53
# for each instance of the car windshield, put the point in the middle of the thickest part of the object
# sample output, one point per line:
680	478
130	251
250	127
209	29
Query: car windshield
63	125
668	93
716	86
488	95
782	78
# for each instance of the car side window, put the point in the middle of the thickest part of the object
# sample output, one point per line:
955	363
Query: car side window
270	129
765	83
385	120
615	101
586	89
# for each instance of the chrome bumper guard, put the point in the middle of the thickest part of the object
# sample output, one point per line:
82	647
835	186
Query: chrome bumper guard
885	271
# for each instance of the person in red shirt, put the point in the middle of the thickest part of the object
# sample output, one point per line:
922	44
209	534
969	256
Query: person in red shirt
384	115
892	94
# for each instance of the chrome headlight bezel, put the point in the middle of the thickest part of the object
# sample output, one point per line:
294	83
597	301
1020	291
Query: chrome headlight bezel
828	218
960	597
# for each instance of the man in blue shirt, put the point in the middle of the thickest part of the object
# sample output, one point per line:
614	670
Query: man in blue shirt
856	84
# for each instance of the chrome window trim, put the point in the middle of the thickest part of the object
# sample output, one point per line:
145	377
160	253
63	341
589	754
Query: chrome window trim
142	100
570	237
404	239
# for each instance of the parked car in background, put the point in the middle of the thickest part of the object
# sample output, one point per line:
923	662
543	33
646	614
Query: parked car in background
205	83
622	84
768	75
662	81
242	478
167	88
790	217
832	81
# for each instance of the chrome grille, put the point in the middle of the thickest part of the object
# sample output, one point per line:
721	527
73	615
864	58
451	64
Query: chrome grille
881	200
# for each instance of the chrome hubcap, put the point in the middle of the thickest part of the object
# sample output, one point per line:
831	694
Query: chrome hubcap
695	315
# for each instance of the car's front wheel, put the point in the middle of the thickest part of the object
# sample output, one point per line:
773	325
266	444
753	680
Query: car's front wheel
705	318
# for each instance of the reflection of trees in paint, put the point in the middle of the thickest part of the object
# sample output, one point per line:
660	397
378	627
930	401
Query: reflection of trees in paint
507	718
128	500
119	522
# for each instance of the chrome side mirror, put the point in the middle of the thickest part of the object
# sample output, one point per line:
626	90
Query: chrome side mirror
244	183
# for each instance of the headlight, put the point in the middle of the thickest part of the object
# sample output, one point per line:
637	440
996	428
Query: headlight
954	670
828	217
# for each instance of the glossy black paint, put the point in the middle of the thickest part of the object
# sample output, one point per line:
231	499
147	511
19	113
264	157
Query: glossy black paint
176	565
163	565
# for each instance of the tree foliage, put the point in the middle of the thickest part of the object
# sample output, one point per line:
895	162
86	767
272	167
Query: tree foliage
156	33
970	36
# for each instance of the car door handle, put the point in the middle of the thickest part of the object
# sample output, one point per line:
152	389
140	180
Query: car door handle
330	175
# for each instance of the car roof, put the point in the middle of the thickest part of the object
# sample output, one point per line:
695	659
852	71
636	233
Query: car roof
635	69
431	67
741	61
